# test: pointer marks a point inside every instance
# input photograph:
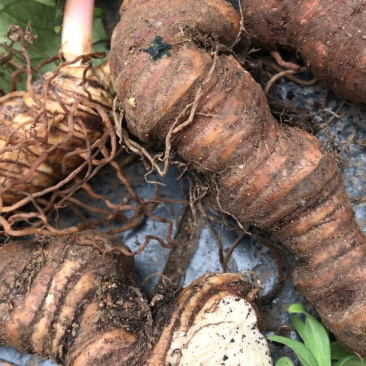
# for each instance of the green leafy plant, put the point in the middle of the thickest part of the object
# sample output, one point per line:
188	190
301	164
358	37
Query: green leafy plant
316	348
43	18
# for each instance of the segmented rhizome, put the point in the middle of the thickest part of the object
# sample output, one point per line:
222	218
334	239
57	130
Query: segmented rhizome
76	299
330	37
68	299
177	84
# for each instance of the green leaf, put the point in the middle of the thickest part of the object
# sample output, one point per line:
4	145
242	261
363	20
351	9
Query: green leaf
98	12
41	18
338	352
302	352
42	15
284	361
298	324
100	40
351	361
46	2
314	335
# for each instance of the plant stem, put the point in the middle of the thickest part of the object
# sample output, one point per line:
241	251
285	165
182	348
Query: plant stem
77	28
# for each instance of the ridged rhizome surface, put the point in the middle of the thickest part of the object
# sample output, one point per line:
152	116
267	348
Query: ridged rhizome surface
173	83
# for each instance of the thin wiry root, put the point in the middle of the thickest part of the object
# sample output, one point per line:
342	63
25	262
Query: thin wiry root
290	76
285	64
31	122
280	75
41	211
164	157
67	186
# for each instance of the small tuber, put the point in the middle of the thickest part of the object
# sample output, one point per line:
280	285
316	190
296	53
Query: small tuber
75	299
196	97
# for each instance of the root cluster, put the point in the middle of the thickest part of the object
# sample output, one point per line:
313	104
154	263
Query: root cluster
54	138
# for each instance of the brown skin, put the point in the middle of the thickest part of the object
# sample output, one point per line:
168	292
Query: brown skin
70	301
330	36
260	172
75	299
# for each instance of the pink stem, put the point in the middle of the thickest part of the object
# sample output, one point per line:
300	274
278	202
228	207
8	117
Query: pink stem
77	28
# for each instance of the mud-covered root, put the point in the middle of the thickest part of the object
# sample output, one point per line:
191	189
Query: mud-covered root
76	300
69	301
217	118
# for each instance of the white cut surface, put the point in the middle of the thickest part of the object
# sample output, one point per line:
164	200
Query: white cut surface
225	335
